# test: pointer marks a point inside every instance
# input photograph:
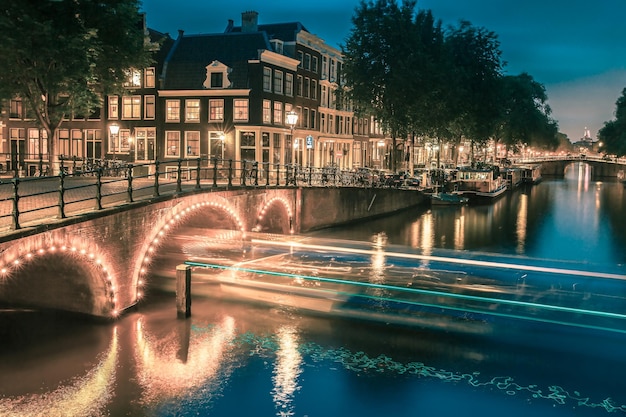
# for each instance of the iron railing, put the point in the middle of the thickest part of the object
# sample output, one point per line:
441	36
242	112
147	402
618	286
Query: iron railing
95	185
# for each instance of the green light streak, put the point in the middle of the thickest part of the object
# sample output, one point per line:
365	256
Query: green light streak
464	297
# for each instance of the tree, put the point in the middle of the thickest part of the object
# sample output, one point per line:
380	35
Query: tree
377	60
61	57
613	134
474	71
525	114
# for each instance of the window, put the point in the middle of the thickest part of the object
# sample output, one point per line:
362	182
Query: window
324	68
64	142
77	143
131	107
314	64
305	116
332	74
299	86
149	107
307	86
172	144
114	107
278	82
150	75
16	111
33	144
93	138
248	146
133	79
313	123
192	110
278	46
172	111
216	110
289	85
216	145
276	146
314	89
300	58
278	113
267	111
217	80
267	79
192	143
307	61
240	108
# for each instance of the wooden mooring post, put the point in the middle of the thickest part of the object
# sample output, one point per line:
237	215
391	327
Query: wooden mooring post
183	291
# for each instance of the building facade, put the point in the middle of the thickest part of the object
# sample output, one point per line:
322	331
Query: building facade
218	97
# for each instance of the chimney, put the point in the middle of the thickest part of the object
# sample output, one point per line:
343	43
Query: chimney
249	21
230	26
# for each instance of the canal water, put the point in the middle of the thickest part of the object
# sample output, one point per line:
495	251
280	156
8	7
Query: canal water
242	358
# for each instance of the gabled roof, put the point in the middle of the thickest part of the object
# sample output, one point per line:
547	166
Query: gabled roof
286	32
186	65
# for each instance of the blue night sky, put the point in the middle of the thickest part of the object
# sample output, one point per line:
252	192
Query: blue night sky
575	48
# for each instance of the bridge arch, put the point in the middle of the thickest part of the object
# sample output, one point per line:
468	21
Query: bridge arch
62	272
271	216
180	214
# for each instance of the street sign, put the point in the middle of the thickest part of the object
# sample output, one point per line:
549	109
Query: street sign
309	142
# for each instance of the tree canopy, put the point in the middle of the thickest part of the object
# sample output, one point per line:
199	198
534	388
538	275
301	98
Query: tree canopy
415	77
613	134
62	56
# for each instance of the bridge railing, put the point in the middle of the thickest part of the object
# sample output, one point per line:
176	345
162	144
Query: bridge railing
94	185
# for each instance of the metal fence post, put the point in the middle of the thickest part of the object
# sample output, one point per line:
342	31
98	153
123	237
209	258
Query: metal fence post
62	193
156	179
179	177
16	206
215	172
230	173
99	189
130	183
198	174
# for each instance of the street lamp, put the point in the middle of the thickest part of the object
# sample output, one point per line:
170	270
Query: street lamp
114	129
292	120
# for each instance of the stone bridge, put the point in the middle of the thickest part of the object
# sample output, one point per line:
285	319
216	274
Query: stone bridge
600	168
99	263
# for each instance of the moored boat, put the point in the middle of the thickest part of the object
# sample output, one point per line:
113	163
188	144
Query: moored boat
481	183
531	174
448	199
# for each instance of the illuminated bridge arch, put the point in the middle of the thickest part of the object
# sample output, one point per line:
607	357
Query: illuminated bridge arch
166	226
276	215
57	271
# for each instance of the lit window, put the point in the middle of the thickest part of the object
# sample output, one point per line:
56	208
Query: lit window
172	111
150	78
172	143
240	108
216	110
192	110
131	107
133	79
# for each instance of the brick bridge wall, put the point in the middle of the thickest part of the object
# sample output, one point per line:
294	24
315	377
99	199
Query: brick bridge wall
96	264
599	169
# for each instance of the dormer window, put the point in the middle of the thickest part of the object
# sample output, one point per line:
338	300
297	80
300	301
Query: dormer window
216	76
277	44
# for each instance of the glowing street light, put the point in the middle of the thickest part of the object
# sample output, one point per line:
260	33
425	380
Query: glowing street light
292	119
114	129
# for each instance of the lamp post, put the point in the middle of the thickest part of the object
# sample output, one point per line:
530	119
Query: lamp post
292	120
114	129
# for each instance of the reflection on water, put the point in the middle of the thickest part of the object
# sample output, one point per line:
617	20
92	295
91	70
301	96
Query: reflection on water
573	218
194	367
246	359
84	395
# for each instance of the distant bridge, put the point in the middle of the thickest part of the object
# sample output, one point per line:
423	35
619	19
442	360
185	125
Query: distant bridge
600	167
